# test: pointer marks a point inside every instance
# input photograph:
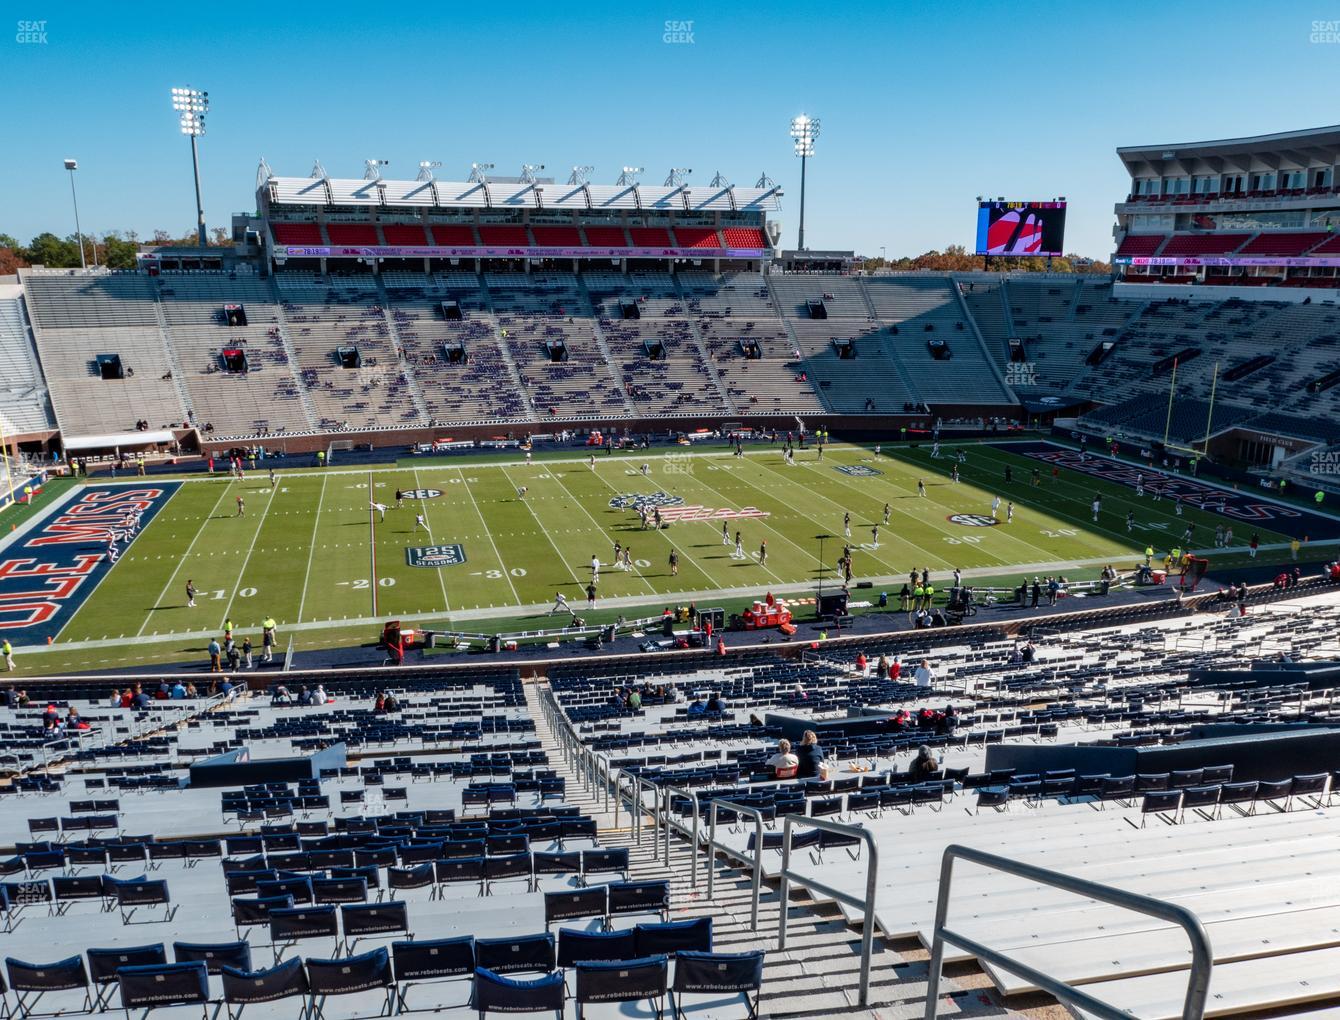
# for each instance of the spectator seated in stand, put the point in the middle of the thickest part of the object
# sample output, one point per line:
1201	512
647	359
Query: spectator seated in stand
783	763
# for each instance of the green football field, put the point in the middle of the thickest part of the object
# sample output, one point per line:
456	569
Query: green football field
312	553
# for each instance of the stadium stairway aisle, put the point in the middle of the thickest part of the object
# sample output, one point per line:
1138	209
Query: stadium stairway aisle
818	974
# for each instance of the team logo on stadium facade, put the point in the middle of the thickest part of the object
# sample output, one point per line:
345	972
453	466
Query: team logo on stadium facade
858	470
647	500
421	493
973	520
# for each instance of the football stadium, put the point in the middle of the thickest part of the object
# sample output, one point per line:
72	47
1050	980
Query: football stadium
555	594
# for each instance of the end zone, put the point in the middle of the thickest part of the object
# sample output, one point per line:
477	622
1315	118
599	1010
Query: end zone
50	568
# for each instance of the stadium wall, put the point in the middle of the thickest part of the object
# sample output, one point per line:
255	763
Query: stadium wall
842	426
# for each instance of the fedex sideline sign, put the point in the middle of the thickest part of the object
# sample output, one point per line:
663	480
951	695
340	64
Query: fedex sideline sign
48	572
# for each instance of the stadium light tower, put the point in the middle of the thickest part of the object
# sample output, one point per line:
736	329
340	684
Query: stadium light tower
192	105
805	130
72	165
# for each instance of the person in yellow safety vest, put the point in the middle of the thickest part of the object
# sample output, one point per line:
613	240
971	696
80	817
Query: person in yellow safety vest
1320	497
1149	555
930	594
918	593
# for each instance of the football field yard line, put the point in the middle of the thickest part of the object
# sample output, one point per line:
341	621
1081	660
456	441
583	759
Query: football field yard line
651	589
311	549
667	533
237	585
1125	497
1013	537
372	545
784	537
502	565
442	581
895	505
185	556
901	540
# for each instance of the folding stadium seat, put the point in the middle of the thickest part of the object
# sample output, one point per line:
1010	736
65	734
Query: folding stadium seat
504	867
104	963
30	982
646	978
604	861
1162	804
1309	788
164	984
572	905
674	937
715	974
287	884
510	844
69	889
1274	793
133	894
362	921
214	955
544	863
424	961
495	993
646	897
1116	788
290	926
244	883
575	945
242	988
253	913
450	872
351	975
1198	798
1238	793
420	876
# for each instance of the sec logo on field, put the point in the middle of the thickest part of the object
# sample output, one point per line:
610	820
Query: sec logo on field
421	493
973	520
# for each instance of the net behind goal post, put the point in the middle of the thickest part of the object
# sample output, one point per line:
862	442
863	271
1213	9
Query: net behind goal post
338	444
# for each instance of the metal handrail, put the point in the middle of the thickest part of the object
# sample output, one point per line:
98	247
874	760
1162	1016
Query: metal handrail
638	808
666	793
757	862
867	904
1202	957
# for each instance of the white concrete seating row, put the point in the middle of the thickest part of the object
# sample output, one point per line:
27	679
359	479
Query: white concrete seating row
373	395
88	405
23	394
456	392
264	400
67	300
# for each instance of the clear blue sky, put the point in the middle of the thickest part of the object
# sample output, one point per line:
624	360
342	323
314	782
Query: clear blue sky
923	105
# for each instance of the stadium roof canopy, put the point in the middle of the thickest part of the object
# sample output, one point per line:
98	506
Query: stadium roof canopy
514	195
113	440
1312	147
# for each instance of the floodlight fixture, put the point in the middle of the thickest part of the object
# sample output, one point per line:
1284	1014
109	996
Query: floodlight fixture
73	165
192	105
805	130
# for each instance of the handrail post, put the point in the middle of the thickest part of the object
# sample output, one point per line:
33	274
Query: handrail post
1202	956
784	887
756	883
867	904
670	791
